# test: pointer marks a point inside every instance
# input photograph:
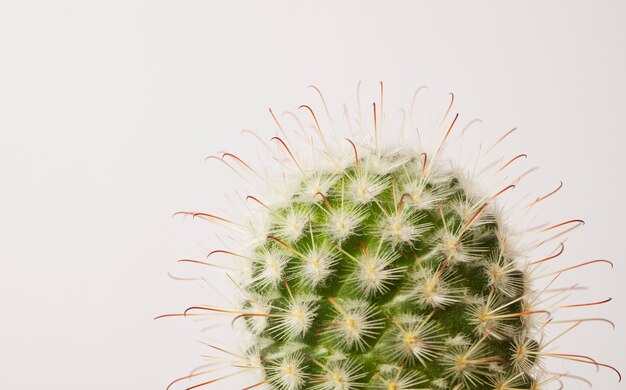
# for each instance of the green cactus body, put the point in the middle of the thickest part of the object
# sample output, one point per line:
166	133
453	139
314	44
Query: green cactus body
390	269
387	276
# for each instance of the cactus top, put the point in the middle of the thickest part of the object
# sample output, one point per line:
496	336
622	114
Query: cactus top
390	268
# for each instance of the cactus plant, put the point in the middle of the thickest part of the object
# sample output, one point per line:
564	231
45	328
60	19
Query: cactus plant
387	267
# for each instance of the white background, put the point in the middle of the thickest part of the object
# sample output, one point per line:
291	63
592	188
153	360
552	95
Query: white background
108	108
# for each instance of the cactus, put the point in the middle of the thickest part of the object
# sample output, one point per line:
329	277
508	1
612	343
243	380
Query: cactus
388	268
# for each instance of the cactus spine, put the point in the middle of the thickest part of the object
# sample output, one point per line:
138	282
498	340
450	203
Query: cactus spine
390	269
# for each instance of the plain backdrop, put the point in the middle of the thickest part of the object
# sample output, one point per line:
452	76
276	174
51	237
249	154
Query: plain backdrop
107	109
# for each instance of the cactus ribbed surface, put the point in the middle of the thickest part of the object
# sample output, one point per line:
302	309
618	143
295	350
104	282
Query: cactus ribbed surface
389	275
